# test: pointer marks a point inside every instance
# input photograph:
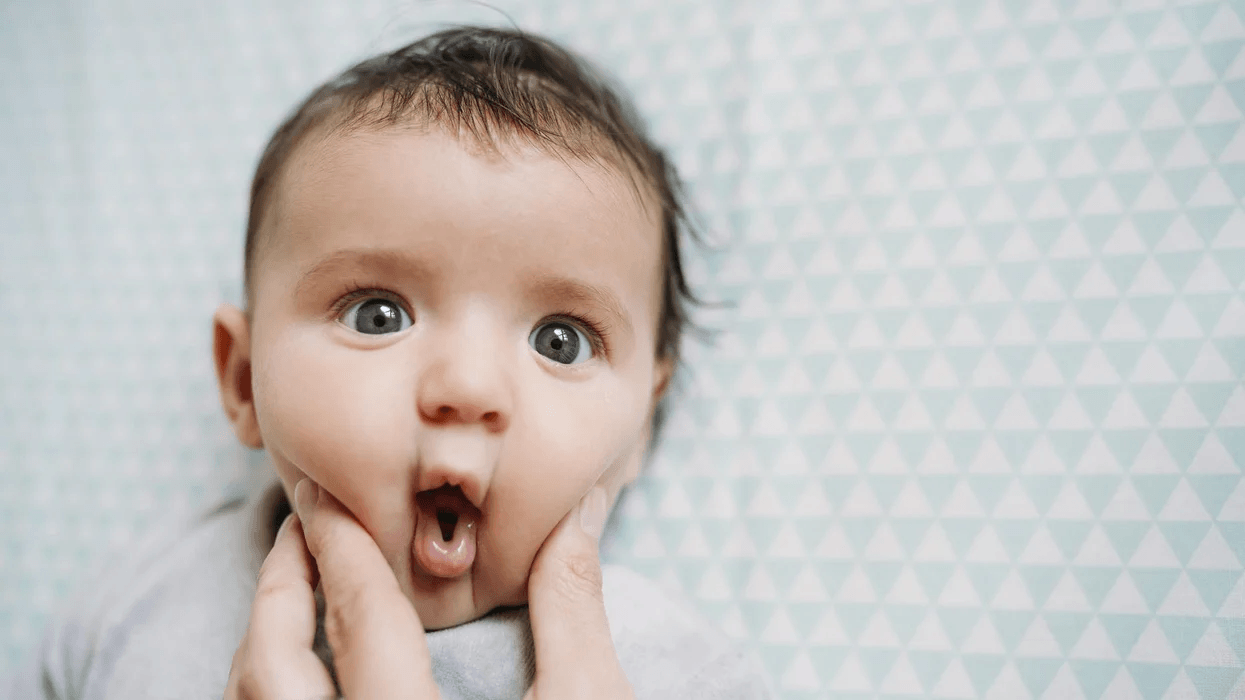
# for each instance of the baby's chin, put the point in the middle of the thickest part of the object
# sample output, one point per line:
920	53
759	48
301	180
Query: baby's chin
453	603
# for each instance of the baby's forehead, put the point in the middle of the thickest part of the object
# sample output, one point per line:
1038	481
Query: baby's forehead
321	174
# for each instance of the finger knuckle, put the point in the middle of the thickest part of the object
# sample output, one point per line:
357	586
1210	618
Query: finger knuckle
580	576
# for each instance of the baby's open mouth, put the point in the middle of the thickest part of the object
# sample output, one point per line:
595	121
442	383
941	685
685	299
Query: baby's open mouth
444	544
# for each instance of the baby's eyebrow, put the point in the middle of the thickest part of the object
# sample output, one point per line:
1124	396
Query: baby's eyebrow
567	289
382	260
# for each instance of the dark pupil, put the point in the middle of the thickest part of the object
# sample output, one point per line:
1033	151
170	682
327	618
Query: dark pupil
378	316
558	342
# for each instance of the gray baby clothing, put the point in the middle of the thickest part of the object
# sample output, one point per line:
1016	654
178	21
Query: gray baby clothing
165	623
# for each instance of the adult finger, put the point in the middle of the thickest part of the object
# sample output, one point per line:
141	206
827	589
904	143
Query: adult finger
275	658
378	642
575	656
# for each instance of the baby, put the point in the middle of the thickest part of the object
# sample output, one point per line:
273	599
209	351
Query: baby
464	306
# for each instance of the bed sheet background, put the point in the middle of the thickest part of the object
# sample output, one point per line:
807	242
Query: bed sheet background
976	425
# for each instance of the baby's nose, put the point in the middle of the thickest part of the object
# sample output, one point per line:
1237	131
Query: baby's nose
467	382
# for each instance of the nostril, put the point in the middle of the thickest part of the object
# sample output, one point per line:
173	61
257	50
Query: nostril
490	417
448	520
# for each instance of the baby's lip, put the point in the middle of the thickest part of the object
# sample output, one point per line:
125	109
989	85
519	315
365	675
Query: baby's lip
444	542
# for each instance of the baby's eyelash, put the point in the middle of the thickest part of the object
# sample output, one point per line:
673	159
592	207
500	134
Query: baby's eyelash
598	331
357	292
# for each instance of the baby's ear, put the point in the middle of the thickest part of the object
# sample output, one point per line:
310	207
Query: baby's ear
231	349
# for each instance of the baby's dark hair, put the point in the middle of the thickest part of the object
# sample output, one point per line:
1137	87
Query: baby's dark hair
496	85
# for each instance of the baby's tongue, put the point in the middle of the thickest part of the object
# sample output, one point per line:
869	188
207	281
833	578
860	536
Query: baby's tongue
445	536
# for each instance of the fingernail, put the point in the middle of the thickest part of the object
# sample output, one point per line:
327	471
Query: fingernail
592	512
305	495
285	524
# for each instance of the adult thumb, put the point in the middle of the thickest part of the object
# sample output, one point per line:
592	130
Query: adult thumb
575	654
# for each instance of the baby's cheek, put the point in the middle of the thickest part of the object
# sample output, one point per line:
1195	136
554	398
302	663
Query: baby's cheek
336	420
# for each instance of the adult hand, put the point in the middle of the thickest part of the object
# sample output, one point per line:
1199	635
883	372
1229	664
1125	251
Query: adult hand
575	656
378	642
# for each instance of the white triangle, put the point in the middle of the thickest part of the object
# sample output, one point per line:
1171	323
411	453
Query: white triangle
878	633
1225	25
1232	322
884	546
1154	551
1181	688
990	458
1028	166
954	682
902	678
934	546
1183	505
1064	686
1079	161
1069	415
1126	504
1184	599
983	639
1042	458
779	629
1067	595
1038	641
1098	459
1133	157
1154	459
1140	75
1125	414
990	371
1152	647
800	674
912	417
1124	598
851	676
807	587
714	586
1042	371
829	630
1042	550
911	502
1042	286
962	503
1096	285
1213	458
1193	70
1097	550
1152	368
1013	594
1094	644
835	546
1121	687
963	416
937	459
861	502
1008	685
1123	325
1181	412
1156	196
1070	505
1234	605
906	590
1213	650
1015	504
1209	366
1110	119
1015	330
1069	328
760	586
856	588
987	548
929	635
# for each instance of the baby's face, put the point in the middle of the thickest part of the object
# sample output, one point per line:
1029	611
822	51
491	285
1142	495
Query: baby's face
428	316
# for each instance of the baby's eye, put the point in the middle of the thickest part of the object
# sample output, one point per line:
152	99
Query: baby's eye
561	342
375	316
